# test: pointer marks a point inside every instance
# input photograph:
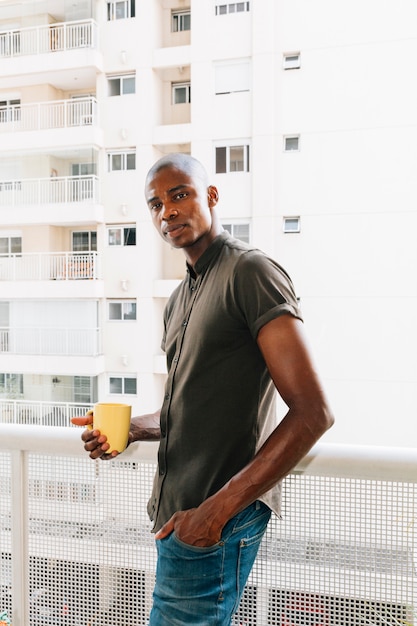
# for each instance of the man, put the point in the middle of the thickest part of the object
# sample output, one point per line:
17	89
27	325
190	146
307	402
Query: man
232	337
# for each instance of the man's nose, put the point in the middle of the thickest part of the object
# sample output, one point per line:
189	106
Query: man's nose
169	212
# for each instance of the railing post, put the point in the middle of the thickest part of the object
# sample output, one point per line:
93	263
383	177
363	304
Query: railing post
20	538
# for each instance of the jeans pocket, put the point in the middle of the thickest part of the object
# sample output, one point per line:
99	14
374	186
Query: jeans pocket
180	561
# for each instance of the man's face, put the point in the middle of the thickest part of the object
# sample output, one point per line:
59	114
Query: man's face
180	207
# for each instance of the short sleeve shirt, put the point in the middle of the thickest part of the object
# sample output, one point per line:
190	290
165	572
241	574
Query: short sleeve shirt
219	402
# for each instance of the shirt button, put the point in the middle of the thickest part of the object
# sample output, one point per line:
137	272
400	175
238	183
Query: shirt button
184	323
167	396
175	359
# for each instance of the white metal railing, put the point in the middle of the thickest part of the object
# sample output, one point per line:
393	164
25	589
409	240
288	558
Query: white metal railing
50	266
55	190
40	413
48	115
343	553
48	38
51	341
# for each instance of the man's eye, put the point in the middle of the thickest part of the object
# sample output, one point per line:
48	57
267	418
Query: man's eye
156	206
180	195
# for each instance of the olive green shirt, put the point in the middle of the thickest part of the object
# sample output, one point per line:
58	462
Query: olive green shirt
219	402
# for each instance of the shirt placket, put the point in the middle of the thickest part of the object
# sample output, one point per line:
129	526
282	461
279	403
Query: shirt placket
165	411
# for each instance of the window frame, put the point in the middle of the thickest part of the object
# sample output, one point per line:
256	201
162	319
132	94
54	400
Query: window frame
121	78
10	110
91	241
230	66
288	139
124	160
12	240
122	302
226	8
124	236
177	20
123	378
183	85
235	224
129	9
291	60
227	158
291	218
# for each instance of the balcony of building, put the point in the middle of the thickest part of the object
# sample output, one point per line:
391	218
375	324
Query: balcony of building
32	55
42	413
76	542
69	122
50	335
52	274
53	200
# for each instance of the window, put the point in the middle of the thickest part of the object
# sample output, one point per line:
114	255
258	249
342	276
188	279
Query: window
122	310
291	61
9	111
291	224
181	20
122	85
122	385
232	7
232	77
240	231
119	10
84	241
232	159
121	236
291	143
11	385
10	245
118	161
85	389
181	93
83	169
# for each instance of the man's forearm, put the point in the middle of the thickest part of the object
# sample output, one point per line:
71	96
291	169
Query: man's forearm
145	427
286	446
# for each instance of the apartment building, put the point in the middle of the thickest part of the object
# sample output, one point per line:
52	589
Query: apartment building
305	117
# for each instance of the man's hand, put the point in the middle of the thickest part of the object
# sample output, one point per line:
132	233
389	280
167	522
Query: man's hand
94	442
191	527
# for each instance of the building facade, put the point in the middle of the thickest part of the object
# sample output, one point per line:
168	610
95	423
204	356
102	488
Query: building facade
305	116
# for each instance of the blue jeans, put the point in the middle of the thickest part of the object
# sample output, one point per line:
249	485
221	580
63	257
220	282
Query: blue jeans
203	586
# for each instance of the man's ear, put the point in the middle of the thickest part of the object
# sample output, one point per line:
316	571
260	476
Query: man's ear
213	196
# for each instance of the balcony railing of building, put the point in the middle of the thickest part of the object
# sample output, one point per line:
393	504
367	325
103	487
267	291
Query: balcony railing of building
48	38
40	413
50	341
75	539
55	190
50	266
48	115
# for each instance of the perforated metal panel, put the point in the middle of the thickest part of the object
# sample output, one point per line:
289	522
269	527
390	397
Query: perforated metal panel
342	554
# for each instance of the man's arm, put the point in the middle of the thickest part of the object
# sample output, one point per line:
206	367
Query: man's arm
289	362
142	428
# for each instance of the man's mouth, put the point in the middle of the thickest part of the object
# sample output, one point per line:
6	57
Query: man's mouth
173	230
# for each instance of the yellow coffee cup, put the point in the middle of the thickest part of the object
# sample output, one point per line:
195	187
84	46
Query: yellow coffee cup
113	420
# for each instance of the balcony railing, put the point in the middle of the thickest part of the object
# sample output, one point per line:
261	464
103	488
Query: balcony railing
48	38
55	190
75	532
49	115
40	413
50	266
50	341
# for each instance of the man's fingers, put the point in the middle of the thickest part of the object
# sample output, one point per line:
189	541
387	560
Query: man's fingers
84	420
166	529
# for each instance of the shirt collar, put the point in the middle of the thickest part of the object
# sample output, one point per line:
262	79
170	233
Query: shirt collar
209	254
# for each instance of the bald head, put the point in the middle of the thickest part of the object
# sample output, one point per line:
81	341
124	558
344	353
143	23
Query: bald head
182	162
